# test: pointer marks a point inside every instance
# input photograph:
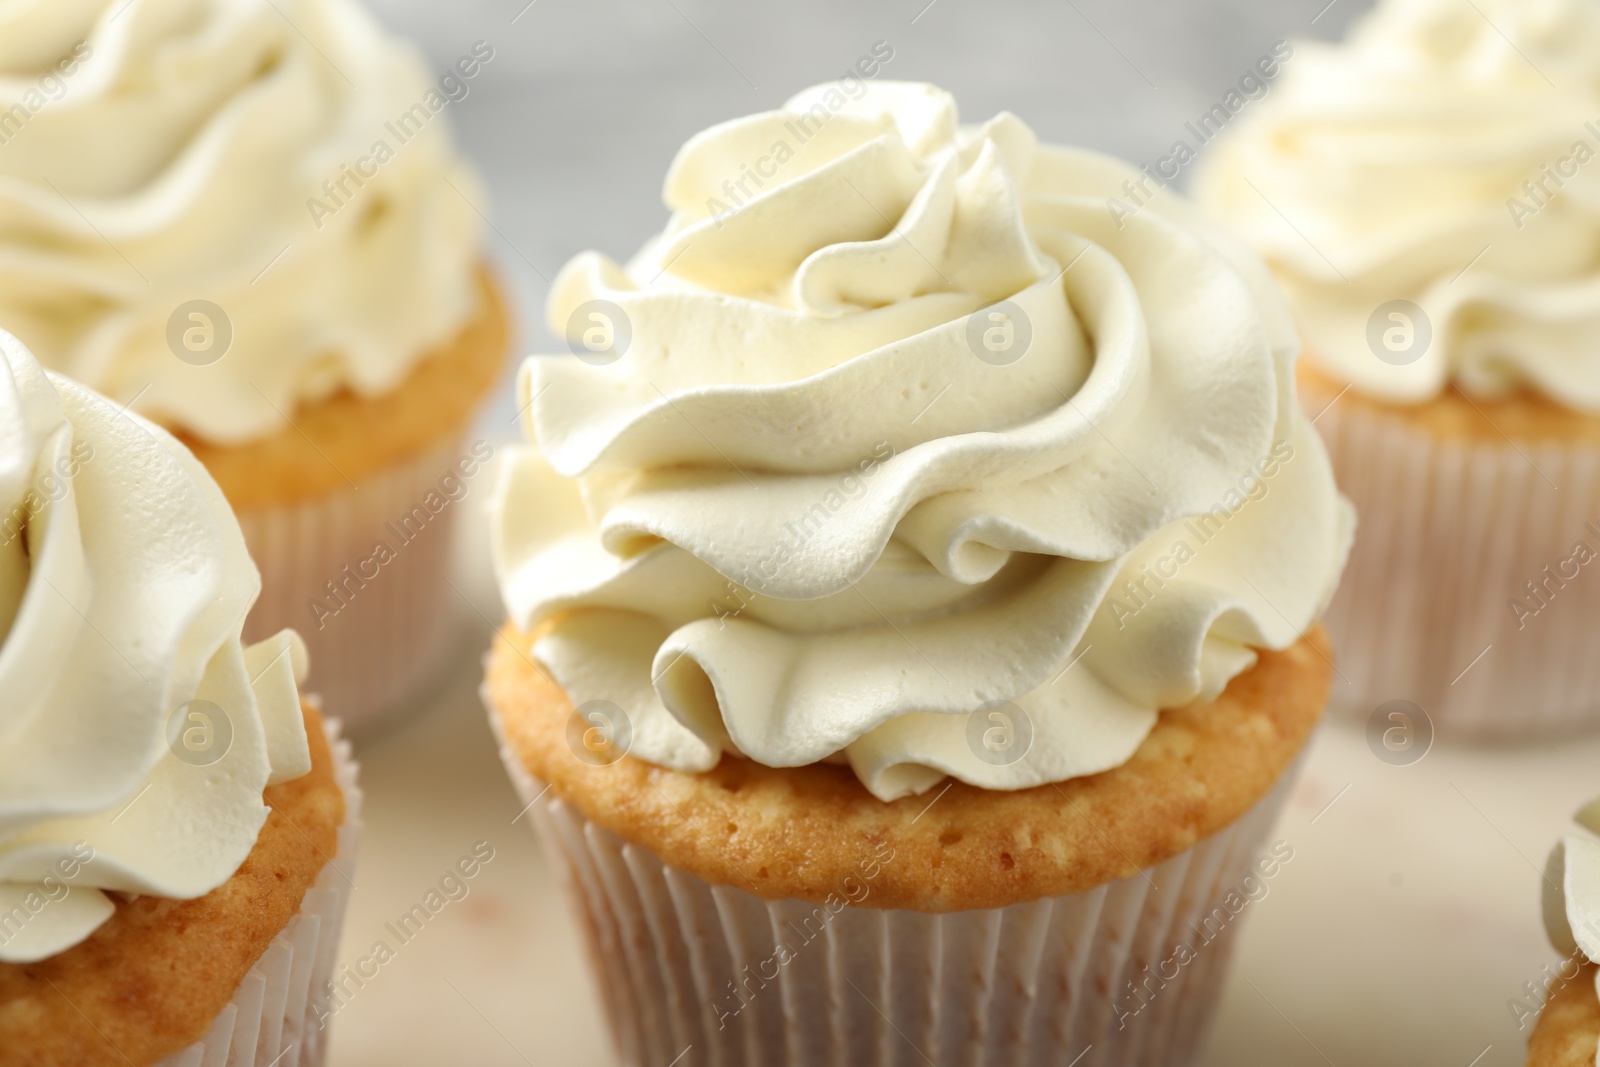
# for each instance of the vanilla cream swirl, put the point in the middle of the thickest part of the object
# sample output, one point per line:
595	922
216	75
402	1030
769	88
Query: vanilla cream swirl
158	152
1572	896
1446	155
124	584
817	511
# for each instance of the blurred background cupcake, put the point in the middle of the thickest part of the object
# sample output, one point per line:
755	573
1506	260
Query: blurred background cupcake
246	220
176	826
894	493
1427	195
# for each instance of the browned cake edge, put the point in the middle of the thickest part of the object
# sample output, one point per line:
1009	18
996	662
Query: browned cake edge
798	833
152	979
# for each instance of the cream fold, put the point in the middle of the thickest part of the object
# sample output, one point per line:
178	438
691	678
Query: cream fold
128	582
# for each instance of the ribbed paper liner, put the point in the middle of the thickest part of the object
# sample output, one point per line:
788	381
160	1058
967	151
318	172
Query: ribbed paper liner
271	1021
1449	533
1042	983
393	634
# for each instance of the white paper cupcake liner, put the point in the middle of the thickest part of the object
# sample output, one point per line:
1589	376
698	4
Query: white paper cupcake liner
271	1021
1450	533
391	634
688	972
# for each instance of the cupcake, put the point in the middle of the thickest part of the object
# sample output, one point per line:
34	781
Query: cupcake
912	598
173	817
1568	1010
245	220
1423	194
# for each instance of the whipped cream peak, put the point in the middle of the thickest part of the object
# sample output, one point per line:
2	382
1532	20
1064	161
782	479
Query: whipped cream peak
137	732
1440	157
284	161
892	426
857	167
1492	40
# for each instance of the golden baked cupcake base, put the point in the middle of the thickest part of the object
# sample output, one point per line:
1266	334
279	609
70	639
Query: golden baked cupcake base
1469	591
349	515
164	982
787	916
797	832
1568	1031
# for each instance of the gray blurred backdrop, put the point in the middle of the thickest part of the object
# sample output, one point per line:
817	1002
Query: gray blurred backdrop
574	121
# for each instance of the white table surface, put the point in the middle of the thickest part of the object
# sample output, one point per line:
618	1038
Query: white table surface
1409	915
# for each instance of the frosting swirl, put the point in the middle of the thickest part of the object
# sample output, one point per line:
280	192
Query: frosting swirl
159	152
1572	894
904	435
124	584
1443	156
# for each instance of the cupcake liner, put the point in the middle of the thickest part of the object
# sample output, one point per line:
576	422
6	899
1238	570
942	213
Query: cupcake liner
695	974
388	635
271	1021
1450	533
